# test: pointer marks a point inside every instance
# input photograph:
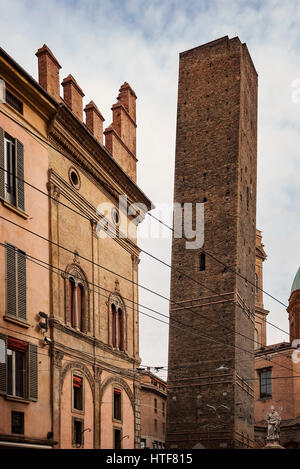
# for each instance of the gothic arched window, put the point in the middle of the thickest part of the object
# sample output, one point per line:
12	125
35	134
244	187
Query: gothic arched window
77	305
117	323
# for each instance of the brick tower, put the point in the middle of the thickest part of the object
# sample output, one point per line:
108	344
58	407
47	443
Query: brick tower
211	366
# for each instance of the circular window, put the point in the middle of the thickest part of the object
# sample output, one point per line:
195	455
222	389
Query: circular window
74	178
115	216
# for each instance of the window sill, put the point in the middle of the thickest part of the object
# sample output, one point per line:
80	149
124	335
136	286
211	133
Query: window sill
265	398
15	209
21	400
17	321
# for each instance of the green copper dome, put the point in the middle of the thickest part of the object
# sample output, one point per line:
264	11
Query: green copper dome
296	282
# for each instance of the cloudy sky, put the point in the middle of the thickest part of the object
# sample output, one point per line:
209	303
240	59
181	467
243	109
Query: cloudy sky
103	43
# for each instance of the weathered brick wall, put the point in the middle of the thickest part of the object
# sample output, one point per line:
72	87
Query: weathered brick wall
217	105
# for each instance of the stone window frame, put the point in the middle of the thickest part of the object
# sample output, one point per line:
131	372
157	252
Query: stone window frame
72	169
118	388
73	409
120	429
260	371
116	300
73	271
78	419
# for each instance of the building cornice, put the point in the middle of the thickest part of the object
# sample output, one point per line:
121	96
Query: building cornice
74	137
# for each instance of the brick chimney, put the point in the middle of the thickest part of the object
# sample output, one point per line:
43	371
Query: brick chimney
73	95
120	136
48	69
94	120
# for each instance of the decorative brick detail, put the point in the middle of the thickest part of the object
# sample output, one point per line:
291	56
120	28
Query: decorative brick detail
73	95
94	120
48	68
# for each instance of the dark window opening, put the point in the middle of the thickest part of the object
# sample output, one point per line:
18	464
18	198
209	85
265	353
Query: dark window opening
155	405
202	262
17	422
155	425
78	432
117	404
14	102
117	439
114	325
265	383
77	393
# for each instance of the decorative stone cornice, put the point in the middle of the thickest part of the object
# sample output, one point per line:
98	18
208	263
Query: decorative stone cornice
69	133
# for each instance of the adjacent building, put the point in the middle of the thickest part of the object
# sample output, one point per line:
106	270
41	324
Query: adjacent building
277	379
153	410
69	269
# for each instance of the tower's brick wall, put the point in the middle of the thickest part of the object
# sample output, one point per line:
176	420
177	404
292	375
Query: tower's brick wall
216	164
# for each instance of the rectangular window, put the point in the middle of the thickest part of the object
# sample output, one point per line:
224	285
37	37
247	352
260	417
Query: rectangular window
117	404
117	438
14	102
265	383
15	282
18	368
77	393
155	425
78	433
17	422
12	170
155	405
163	409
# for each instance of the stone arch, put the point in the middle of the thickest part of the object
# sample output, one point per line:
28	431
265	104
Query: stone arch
77	273
121	382
73	365
117	300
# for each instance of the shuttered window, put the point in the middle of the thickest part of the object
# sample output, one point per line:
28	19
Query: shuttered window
15	282
18	368
12	170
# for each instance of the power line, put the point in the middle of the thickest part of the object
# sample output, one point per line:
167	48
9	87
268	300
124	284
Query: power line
133	282
148	213
143	313
44	141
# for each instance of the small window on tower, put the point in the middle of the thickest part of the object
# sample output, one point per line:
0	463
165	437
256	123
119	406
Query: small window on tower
202	262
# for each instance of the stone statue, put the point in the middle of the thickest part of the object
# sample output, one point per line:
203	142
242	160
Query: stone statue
273	421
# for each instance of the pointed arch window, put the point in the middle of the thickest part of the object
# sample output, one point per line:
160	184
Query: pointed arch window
77	310
114	325
117	323
121	329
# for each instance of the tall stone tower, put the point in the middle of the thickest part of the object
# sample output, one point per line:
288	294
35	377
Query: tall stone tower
211	361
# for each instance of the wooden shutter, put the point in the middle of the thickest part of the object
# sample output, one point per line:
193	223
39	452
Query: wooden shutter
21	278
3	362
11	284
32	372
20	175
2	176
